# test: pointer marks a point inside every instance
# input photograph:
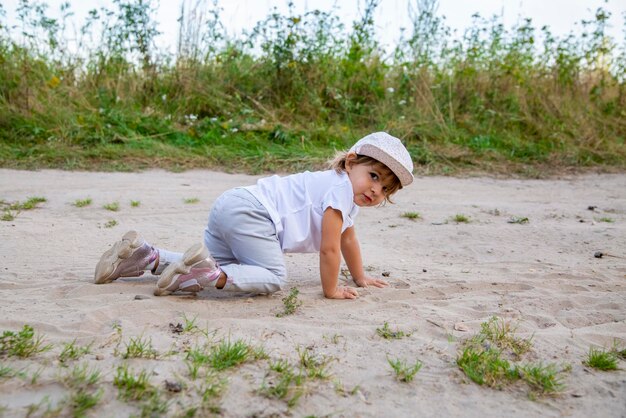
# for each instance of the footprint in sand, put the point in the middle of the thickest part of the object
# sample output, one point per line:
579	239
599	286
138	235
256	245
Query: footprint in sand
400	284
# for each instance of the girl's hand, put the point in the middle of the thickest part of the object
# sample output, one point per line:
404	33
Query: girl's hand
344	292
369	281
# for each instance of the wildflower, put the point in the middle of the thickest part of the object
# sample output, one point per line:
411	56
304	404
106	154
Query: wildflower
233	130
164	97
390	90
402	102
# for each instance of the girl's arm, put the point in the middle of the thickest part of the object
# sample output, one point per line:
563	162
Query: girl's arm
330	256
352	254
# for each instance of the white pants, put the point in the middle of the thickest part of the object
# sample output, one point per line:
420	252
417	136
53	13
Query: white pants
242	238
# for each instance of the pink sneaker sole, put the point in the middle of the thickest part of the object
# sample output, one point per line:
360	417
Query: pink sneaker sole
115	255
169	281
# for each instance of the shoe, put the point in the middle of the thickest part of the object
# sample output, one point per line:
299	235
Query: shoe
128	257
196	270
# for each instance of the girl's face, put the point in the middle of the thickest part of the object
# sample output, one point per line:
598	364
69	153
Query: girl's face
369	183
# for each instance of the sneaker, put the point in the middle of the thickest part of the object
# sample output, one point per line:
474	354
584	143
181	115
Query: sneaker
128	257
197	270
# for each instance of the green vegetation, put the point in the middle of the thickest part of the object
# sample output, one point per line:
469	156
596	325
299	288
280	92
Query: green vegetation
132	386
191	200
135	203
411	215
403	371
489	358
24	343
11	210
296	87
138	347
291	303
113	207
71	351
110	223
81	203
602	359
606	219
388	334
288	382
461	219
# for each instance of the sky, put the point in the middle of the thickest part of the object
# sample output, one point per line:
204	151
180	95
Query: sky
562	16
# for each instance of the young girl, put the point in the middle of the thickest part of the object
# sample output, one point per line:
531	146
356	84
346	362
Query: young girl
250	227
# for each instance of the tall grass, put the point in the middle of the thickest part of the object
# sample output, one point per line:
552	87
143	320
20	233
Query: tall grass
287	92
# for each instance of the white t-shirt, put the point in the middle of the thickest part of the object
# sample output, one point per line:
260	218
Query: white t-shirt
296	204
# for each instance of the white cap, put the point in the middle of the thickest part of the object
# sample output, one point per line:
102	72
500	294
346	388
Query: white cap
388	150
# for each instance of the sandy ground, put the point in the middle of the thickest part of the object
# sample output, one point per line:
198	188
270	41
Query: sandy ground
446	279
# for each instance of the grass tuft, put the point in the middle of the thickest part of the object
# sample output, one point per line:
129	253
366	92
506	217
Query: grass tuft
81	203
71	351
113	206
403	371
411	215
138	347
24	343
387	333
601	359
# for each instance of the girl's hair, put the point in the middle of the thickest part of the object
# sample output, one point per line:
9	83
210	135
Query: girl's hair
339	165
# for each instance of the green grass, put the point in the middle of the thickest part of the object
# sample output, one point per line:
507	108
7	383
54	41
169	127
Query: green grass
486	367
411	215
387	333
601	359
461	219
81	203
495	100
606	220
135	203
11	210
113	206
72	351
314	366
139	347
403	371
542	379
132	386
291	303
283	381
502	333
490	358
24	343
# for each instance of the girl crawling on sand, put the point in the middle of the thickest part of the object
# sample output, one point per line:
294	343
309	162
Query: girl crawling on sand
250	228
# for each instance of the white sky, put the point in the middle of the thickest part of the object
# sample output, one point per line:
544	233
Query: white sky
563	16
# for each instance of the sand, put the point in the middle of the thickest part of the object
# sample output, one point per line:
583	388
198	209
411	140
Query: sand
446	278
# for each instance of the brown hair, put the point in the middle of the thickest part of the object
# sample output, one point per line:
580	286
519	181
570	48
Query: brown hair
339	165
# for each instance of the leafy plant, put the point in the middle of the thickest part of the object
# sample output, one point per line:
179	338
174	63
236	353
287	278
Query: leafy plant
290	303
110	223
24	343
191	200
